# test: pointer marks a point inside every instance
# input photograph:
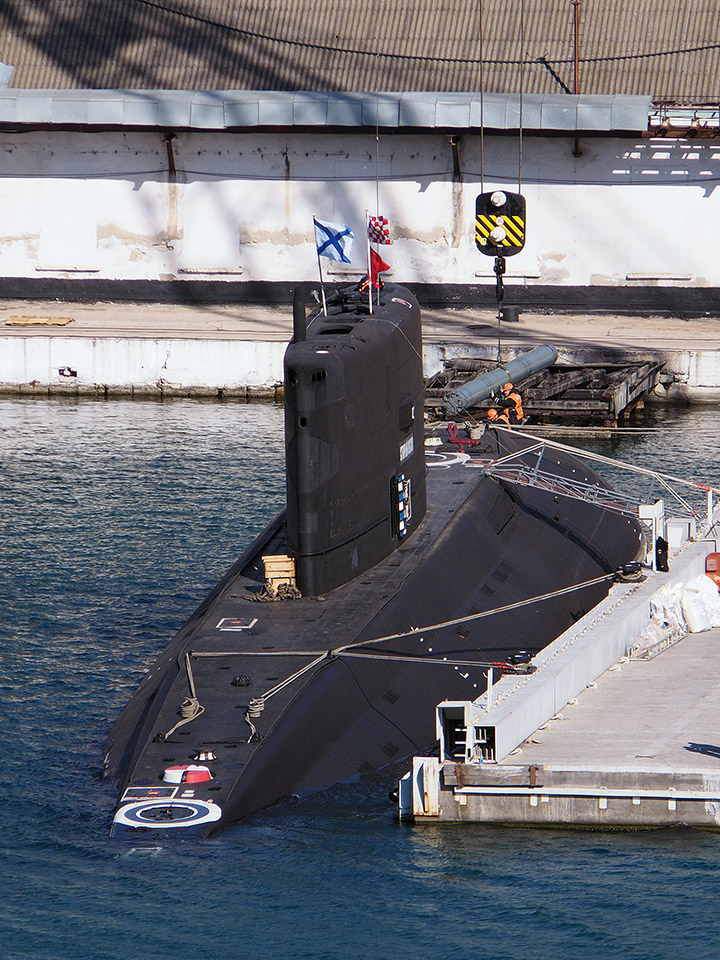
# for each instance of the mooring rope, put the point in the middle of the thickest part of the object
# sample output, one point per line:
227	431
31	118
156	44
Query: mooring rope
191	708
257	704
479	616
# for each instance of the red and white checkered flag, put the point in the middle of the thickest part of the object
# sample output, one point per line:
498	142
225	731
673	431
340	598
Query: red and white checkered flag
378	230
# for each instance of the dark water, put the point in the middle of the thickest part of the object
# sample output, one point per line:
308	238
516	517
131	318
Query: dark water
115	519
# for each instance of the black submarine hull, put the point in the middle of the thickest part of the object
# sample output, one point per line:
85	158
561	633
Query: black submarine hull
289	695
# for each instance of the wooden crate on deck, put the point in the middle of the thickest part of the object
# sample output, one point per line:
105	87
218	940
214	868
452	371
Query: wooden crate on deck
279	570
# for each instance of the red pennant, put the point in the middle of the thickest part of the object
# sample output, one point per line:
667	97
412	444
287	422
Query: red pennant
377	266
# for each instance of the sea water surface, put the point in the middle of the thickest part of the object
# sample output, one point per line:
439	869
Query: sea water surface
115	519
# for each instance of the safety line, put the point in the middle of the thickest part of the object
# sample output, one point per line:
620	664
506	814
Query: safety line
478	616
588	455
359	654
338	652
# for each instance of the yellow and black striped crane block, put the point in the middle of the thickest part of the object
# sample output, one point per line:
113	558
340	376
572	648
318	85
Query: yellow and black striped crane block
500	223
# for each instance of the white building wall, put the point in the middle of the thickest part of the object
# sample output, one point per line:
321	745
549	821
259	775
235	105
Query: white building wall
103	205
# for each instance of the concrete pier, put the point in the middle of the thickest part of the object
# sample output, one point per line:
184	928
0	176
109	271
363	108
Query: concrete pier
109	349
641	748
638	746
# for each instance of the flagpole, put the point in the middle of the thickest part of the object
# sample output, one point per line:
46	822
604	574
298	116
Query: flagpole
377	184
322	287
369	265
378	287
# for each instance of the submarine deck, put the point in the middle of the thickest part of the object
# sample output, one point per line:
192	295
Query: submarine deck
290	654
285	636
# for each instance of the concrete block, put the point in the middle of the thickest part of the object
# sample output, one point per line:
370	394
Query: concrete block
559	114
142	111
242	112
105	111
174	109
532	114
452	111
208	115
383	112
276	110
69	110
8	107
37	109
594	113
630	113
491	112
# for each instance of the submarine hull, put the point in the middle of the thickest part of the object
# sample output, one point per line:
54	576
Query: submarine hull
289	696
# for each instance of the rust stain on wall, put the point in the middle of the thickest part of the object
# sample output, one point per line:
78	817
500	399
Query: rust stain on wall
284	237
161	238
457	214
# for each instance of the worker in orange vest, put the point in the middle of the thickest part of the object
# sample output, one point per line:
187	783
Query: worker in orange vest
511	403
498	416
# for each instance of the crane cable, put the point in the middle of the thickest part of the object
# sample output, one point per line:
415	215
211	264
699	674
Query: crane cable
482	106
522	93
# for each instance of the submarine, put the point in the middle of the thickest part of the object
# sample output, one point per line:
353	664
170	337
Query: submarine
399	571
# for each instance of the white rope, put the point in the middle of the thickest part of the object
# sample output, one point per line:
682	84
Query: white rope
478	616
191	708
298	673
445	661
332	654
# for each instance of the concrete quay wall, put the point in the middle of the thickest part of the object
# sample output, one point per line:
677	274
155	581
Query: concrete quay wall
199	366
139	366
597	797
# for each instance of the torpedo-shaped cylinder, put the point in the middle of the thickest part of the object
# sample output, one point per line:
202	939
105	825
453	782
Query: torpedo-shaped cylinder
485	386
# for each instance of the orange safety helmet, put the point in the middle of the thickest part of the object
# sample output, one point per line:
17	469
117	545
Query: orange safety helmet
507	387
492	414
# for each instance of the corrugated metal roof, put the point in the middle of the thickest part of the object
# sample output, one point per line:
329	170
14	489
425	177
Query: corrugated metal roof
667	49
232	109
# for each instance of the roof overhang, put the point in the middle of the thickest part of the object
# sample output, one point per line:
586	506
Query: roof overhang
250	109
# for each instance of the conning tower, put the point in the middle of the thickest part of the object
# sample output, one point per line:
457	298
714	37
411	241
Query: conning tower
353	436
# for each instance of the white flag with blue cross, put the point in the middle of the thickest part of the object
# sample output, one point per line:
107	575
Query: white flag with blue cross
333	240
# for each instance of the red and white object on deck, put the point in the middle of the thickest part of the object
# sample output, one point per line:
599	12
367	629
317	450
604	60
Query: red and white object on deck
187	773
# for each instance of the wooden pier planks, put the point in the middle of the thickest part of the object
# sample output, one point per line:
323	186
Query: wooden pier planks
595	393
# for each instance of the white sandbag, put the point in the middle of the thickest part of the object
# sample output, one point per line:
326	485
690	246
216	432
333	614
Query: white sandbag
666	607
701	604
